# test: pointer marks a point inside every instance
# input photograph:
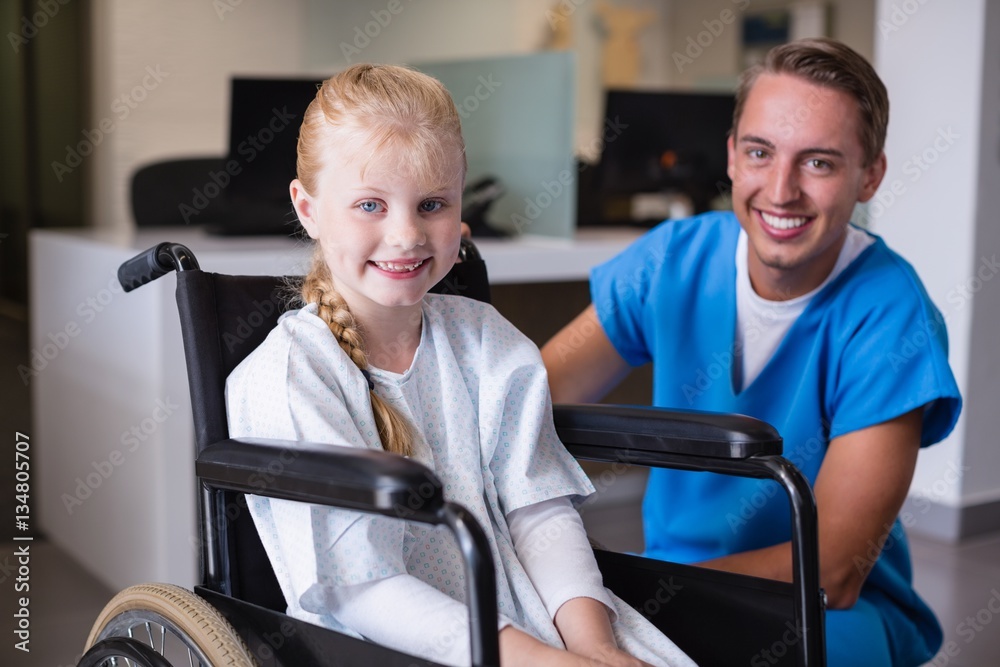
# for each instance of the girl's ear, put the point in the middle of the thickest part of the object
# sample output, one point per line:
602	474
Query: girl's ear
305	207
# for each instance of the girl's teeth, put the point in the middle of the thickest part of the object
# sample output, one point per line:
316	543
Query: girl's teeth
392	266
782	223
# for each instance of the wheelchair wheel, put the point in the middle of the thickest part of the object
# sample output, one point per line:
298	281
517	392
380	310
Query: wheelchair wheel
172	621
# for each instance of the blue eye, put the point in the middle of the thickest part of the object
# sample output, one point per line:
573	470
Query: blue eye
369	206
430	206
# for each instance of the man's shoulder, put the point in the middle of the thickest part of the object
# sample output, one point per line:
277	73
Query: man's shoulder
881	271
699	228
701	239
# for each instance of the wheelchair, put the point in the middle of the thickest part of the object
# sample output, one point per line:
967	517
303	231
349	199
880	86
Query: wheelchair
236	616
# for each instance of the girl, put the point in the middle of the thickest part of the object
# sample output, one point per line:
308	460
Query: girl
373	361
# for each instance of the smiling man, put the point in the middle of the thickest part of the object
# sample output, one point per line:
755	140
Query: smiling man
783	310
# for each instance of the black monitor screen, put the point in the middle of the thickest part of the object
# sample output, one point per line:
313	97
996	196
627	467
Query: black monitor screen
264	120
659	141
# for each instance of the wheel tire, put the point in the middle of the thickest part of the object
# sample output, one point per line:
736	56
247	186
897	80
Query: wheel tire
182	613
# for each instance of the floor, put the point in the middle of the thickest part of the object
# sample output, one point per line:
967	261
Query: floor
961	582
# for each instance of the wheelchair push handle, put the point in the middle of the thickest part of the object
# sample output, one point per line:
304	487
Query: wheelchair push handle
159	260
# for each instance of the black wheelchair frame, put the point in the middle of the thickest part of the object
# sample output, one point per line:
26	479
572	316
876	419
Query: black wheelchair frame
718	618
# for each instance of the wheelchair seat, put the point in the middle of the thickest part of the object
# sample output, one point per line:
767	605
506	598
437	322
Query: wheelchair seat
718	618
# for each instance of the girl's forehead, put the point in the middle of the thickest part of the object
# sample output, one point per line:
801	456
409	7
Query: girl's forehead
360	152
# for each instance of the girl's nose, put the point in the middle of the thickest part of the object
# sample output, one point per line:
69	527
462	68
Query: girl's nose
406	231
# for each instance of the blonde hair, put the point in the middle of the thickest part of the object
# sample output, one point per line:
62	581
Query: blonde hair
401	110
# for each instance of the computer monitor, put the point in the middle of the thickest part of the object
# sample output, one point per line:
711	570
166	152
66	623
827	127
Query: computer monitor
665	141
264	119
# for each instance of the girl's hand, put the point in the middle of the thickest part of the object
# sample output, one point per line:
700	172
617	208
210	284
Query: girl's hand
518	649
612	656
585	628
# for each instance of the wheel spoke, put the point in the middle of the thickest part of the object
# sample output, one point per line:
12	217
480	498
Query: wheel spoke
149	633
163	640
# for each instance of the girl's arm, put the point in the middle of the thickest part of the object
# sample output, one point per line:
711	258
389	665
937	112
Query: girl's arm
553	548
433	625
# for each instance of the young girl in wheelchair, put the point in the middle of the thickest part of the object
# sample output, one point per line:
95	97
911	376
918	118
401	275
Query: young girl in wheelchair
372	360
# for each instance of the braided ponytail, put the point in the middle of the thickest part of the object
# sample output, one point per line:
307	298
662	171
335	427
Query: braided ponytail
398	109
394	431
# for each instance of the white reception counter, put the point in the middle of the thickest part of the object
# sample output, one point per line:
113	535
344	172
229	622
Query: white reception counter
112	417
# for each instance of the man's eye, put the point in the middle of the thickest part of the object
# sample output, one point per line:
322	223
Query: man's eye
758	153
816	163
369	206
431	205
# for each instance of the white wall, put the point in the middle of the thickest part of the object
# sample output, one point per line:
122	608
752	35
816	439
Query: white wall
983	419
943	217
193	47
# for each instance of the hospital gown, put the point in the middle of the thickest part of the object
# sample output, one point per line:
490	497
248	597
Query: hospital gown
478	394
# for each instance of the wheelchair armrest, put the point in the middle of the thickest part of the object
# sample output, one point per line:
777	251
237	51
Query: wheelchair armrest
715	442
649	432
348	477
351	478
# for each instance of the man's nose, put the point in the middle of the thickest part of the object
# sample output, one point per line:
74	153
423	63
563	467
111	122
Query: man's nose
783	183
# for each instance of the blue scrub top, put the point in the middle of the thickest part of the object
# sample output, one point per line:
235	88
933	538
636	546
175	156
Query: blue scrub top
869	347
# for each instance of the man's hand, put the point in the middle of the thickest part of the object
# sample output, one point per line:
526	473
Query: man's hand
860	489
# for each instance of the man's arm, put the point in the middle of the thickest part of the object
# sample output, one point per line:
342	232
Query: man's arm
860	489
582	363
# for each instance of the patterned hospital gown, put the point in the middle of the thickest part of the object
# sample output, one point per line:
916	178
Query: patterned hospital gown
474	379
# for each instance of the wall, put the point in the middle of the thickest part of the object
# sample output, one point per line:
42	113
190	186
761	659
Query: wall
161	81
937	207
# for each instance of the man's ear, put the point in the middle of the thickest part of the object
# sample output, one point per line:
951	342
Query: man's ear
872	178
305	207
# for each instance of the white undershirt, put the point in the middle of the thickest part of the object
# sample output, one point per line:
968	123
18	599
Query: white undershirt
761	324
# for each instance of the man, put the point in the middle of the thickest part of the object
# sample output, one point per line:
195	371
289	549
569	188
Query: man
783	311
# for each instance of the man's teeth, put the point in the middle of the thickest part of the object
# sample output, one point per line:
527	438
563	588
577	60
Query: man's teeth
782	223
401	268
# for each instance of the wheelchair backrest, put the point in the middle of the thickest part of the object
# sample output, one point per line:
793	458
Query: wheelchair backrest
223	319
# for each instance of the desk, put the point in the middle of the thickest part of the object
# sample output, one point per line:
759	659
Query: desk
113	432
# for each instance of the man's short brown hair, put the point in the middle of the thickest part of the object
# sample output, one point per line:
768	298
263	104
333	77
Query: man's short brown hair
829	63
